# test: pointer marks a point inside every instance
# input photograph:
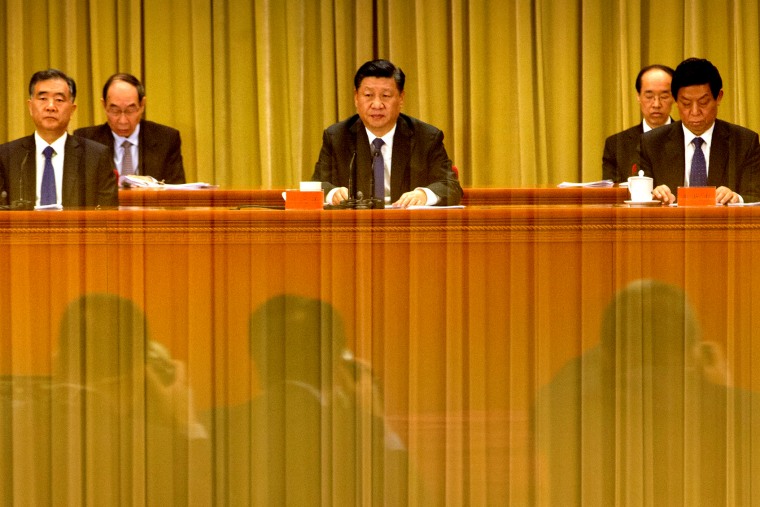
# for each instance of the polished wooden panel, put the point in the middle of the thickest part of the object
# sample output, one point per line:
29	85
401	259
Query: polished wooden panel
462	315
159	197
273	198
543	196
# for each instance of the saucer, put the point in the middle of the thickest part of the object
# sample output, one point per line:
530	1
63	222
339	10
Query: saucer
643	204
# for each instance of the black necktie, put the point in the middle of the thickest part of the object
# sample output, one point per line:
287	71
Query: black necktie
698	176
47	191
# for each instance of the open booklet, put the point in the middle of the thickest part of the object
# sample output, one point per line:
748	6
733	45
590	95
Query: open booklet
590	184
140	181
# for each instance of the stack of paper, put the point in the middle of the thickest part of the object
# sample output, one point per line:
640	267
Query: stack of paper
591	184
135	180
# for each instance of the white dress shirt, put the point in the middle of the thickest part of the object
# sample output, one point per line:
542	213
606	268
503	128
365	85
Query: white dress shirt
59	147
118	151
647	128
688	137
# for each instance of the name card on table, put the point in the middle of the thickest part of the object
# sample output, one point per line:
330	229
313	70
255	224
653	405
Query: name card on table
696	196
310	196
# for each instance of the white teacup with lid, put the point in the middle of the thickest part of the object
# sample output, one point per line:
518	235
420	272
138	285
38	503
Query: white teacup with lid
640	187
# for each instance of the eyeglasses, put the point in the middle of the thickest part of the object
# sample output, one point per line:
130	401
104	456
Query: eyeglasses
115	112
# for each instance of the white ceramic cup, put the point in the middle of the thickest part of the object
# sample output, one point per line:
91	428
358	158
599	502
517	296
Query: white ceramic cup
640	188
310	186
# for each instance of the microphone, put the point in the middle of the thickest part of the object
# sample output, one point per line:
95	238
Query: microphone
375	201
351	201
22	203
351	170
368	203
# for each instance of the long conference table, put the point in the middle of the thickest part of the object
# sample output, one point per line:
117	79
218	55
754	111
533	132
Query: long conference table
172	197
461	315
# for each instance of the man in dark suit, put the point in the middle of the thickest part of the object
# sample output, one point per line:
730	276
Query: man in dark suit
621	150
151	149
700	150
417	170
51	167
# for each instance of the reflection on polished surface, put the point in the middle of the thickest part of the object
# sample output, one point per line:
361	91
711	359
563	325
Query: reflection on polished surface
308	426
465	325
111	421
646	415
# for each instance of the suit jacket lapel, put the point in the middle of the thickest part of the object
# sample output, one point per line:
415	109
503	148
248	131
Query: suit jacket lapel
674	158
71	172
718	155
141	148
105	136
634	139
403	144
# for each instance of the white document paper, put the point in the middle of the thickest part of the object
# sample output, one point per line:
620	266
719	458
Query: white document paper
590	184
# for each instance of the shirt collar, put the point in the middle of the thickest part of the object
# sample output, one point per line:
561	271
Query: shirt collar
58	145
647	128
688	135
133	138
387	138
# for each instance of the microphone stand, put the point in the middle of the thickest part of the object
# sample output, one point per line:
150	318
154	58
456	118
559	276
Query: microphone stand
349	203
356	200
20	204
373	202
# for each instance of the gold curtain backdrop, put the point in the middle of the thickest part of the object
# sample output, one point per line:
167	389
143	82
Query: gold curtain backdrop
525	92
511	355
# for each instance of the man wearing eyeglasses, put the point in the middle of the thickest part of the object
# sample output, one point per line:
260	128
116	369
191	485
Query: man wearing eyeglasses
621	150
138	147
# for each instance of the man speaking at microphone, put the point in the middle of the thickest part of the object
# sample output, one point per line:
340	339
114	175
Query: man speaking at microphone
403	156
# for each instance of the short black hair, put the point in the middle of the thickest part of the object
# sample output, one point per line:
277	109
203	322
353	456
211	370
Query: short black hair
646	69
127	78
380	68
696	71
44	75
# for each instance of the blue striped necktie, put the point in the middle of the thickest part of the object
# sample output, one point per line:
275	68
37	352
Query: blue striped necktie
47	190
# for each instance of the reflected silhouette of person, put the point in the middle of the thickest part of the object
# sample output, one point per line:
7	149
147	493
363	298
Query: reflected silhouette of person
316	433
647	415
122	412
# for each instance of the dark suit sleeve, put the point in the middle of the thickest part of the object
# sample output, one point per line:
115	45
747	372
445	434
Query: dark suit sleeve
609	160
440	176
645	162
107	188
4	190
749	185
175	170
324	170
